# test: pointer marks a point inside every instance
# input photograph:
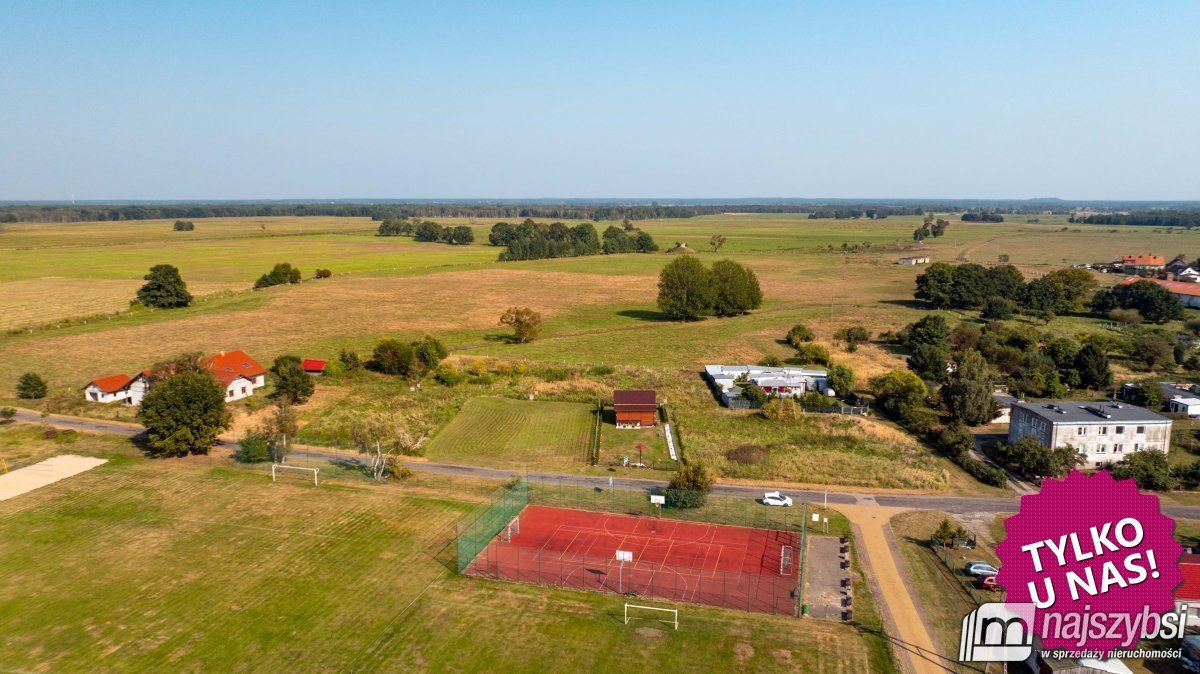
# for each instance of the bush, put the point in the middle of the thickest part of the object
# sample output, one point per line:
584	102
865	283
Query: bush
392	356
782	409
448	375
799	334
811	354
323	273
7	414
280	274
350	360
689	487
397	470
184	226
31	386
754	394
747	454
770	361
254	448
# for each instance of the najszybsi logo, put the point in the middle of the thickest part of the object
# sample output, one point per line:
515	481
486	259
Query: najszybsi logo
997	632
1004	632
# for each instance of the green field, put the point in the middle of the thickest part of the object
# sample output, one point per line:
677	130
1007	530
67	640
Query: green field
516	433
182	566
64	287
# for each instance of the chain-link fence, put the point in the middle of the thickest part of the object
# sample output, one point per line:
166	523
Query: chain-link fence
585	494
477	532
766	592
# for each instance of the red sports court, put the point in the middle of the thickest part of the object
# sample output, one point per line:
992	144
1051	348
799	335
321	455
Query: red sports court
735	567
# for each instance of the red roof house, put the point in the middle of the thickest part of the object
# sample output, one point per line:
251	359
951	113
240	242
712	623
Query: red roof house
313	366
1143	261
238	372
635	409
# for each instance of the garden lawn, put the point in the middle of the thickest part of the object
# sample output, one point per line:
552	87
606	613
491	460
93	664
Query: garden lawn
506	433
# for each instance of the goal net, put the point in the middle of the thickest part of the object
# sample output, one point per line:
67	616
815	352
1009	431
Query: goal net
511	529
667	616
785	559
278	470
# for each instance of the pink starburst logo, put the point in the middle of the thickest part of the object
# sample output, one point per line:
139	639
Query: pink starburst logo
1097	559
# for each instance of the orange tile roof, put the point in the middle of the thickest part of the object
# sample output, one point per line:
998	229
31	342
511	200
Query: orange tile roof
1176	287
229	365
112	383
1143	260
313	365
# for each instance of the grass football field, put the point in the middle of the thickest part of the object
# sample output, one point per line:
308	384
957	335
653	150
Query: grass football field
192	565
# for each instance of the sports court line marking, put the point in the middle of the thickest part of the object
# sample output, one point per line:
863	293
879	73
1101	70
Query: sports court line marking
566	549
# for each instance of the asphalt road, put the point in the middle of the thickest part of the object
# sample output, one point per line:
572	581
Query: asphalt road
960	505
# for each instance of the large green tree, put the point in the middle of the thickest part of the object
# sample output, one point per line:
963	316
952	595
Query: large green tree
164	288
737	289
280	274
1155	303
968	395
841	379
689	486
292	383
898	390
184	414
686	289
1092	365
1149	468
525	322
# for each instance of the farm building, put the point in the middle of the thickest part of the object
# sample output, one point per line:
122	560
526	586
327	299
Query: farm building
780	381
1187	293
1136	263
313	366
920	259
1103	432
635	409
238	372
1179	270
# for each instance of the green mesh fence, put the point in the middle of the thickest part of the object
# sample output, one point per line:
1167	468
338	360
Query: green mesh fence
475	536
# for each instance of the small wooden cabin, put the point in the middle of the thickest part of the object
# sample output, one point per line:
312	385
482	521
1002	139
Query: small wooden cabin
635	409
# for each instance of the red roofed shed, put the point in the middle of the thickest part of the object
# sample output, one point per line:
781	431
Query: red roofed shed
635	409
313	366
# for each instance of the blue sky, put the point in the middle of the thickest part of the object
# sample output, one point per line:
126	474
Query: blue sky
241	100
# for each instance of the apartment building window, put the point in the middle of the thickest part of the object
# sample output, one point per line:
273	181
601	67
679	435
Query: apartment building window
1101	449
1104	430
1137	446
1118	448
1082	430
1120	430
1141	430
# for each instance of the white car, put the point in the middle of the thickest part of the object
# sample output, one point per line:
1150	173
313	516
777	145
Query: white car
774	498
980	569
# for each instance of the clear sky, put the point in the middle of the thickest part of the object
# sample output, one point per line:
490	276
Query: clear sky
517	99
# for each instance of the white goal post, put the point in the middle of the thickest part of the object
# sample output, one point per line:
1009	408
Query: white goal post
511	529
280	466
673	620
785	559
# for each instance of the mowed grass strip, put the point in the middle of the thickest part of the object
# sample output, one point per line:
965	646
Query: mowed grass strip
508	433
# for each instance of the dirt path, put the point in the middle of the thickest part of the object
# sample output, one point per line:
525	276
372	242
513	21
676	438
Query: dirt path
913	644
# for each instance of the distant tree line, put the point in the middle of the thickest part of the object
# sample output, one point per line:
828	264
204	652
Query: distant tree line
1164	218
982	216
563	211
530	240
427	231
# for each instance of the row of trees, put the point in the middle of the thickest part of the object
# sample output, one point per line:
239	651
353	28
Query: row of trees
427	231
687	290
1157	218
530	240
1002	289
982	216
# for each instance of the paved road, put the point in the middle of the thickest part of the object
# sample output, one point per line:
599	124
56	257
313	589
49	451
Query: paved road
960	505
